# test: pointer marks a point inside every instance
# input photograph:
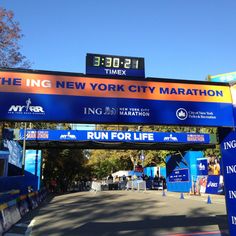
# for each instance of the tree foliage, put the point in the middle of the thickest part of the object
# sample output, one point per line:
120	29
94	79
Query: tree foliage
103	162
10	35
64	166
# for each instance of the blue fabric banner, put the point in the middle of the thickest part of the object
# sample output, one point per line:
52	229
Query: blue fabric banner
70	98
228	150
114	136
202	166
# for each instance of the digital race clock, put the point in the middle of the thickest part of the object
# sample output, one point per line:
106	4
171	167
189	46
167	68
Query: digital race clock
117	66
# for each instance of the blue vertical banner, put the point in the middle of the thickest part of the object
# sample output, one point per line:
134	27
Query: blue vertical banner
228	150
202	166
33	163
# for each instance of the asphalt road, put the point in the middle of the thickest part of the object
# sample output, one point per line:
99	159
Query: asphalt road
129	213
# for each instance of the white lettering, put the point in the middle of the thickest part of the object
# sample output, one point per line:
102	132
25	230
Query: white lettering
93	111
115	72
230	144
120	136
36	109
16	108
211	184
38	83
90	135
143	136
231	169
127	136
97	135
233	218
232	194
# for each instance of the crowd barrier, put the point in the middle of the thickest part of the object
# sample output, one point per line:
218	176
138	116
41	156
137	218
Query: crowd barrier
96	186
12	211
9	195
136	185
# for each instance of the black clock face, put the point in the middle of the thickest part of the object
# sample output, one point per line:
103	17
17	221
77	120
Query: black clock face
115	62
114	65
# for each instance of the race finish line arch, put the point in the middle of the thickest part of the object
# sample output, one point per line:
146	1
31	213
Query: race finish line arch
27	95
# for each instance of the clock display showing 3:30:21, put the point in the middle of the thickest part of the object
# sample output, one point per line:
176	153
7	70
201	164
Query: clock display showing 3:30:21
116	62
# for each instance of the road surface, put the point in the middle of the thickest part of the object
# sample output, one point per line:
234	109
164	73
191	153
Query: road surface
126	213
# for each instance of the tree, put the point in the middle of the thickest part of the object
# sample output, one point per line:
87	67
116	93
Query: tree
104	162
101	167
64	166
10	34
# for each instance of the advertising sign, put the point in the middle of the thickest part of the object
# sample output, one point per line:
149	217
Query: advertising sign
179	175
202	166
233	93
213	182
114	136
228	150
69	98
226	77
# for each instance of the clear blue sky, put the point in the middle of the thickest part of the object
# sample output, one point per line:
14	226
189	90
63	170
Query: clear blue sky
180	39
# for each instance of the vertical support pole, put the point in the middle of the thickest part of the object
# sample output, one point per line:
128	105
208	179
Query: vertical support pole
23	151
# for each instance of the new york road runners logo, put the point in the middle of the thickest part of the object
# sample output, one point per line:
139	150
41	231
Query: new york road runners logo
26	109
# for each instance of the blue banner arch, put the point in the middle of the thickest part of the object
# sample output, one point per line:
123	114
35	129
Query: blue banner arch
66	97
28	95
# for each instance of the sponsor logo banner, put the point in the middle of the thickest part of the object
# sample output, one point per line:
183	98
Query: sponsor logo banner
112	110
27	83
212	184
42	97
114	136
202	166
228	150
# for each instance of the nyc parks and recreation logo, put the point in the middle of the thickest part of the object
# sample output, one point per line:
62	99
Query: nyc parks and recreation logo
26	109
181	114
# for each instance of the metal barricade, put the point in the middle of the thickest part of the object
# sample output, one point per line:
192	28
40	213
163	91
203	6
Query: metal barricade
136	185
96	186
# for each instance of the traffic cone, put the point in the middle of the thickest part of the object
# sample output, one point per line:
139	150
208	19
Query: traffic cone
209	200
181	196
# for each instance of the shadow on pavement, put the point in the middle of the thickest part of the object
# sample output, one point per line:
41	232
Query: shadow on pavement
119	214
150	226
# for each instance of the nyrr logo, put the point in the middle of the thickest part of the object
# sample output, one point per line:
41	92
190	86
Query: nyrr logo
68	136
111	111
26	109
171	138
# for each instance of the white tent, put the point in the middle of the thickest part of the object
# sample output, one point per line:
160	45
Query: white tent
126	173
